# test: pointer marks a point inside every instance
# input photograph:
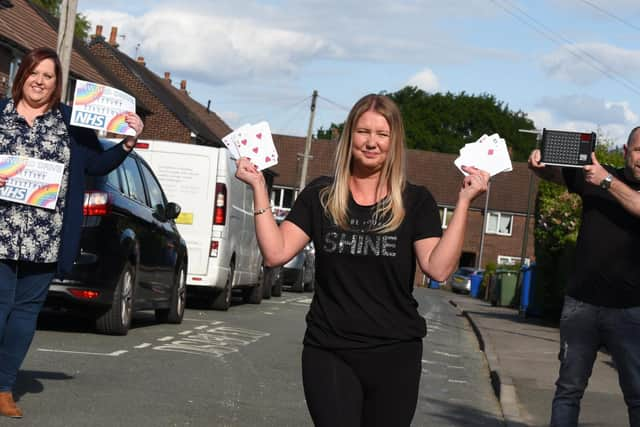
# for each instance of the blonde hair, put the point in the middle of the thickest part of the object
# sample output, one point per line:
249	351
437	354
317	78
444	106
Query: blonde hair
335	198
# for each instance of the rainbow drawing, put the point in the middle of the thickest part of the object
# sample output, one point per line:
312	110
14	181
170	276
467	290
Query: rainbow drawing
44	196
12	166
118	124
88	93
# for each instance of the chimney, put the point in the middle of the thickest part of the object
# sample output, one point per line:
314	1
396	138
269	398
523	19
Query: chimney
113	37
167	76
98	30
183	85
141	61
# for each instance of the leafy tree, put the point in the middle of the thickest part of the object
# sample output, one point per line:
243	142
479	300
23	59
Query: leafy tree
329	133
83	25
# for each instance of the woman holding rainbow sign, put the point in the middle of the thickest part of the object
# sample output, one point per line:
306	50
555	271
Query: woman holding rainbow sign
36	243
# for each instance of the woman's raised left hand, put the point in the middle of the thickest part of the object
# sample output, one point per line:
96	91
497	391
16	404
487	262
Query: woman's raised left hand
473	184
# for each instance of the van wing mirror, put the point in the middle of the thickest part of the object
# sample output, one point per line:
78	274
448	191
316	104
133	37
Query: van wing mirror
172	210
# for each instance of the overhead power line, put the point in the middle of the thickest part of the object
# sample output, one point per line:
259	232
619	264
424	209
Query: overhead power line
334	104
611	15
524	17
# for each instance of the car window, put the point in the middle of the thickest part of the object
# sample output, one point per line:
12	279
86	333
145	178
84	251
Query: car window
134	180
115	178
156	197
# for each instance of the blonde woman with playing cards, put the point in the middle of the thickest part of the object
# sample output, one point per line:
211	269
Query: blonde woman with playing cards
361	361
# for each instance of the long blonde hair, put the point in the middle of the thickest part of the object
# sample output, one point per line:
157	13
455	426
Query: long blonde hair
335	198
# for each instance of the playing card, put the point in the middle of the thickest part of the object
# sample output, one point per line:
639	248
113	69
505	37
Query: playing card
488	153
230	141
256	143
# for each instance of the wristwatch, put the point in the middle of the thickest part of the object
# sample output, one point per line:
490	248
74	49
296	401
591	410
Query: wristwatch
605	184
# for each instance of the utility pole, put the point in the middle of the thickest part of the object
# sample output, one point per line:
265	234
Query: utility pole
66	29
307	145
484	224
525	237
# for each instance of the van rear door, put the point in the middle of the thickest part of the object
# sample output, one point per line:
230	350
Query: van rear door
185	172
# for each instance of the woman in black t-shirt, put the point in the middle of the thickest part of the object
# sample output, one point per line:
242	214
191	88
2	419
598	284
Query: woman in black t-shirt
363	345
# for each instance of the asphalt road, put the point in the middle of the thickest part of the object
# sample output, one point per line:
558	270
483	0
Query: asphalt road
235	368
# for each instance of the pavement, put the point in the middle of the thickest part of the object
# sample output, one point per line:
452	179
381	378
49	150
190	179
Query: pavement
522	354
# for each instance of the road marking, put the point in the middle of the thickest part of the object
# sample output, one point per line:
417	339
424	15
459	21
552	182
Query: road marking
216	342
458	381
267	312
442	353
201	327
429	362
455	367
184	332
143	345
165	339
112	354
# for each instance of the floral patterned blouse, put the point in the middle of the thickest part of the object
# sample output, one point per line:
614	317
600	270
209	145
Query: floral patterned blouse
30	233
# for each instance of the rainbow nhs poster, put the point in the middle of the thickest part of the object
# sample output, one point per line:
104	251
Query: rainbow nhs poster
101	107
31	181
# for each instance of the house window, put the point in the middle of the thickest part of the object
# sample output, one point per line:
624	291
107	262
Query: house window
282	199
499	223
445	216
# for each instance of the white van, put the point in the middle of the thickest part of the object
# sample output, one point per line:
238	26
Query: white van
216	219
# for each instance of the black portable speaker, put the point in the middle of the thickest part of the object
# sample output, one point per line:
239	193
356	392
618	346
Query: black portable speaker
562	148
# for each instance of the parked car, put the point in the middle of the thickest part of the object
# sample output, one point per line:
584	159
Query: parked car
460	281
297	275
132	256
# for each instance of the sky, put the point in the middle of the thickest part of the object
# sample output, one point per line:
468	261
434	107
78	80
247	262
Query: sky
567	64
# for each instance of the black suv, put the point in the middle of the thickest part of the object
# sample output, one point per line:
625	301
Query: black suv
131	254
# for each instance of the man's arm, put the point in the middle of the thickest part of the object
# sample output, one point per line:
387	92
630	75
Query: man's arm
625	195
548	173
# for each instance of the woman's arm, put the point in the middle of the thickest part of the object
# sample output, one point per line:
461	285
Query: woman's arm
278	244
103	162
438	257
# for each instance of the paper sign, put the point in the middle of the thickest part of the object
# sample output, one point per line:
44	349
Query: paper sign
31	181
101	107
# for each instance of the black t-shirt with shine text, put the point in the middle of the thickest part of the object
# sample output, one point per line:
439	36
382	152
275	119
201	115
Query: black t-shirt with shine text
364	280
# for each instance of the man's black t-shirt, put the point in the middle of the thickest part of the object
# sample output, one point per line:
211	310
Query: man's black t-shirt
364	280
606	271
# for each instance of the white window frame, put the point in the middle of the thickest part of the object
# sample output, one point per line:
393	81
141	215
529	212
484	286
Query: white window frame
445	215
499	216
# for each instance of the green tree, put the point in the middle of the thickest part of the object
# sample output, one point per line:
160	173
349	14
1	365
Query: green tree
329	132
83	25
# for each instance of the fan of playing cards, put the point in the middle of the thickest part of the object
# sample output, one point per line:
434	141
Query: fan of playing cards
488	153
255	142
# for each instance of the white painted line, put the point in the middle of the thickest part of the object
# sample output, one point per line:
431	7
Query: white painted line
201	327
165	339
458	381
194	320
112	354
143	345
442	353
267	312
429	362
184	332
455	367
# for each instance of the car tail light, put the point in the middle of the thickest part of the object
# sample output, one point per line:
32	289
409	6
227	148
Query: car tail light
213	252
96	203
84	293
220	207
142	145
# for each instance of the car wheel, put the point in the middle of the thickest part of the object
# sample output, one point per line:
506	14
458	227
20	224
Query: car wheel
253	295
298	285
117	320
175	312
276	289
267	282
222	301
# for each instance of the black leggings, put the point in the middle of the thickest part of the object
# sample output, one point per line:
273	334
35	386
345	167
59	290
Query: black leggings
363	387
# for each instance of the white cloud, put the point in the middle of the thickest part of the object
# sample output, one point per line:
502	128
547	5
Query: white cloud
586	108
586	63
425	80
